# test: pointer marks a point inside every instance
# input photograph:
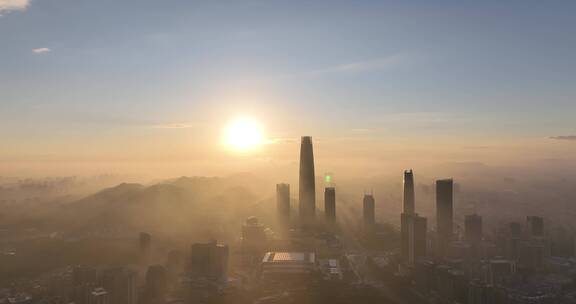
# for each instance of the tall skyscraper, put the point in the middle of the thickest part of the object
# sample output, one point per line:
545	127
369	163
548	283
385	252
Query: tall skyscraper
409	196
307	194
145	242
120	283
330	204
535	225
473	229
444	212
156	285
417	229
405	222
283	202
406	217
369	211
209	260
414	237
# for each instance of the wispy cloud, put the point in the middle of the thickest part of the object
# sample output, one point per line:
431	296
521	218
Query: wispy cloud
41	50
477	147
174	126
564	137
362	66
353	67
281	140
13	5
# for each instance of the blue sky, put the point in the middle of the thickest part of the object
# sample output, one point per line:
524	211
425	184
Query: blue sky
77	69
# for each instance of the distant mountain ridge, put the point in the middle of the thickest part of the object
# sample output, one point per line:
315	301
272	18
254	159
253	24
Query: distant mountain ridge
180	204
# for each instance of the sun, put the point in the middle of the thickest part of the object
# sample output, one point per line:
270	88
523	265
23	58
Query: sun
243	134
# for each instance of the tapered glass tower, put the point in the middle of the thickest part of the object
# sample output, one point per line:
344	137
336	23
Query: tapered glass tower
409	196
307	194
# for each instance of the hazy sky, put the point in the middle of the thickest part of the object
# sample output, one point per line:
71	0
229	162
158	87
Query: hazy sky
84	81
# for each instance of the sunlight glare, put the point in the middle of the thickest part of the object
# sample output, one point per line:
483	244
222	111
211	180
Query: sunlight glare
243	134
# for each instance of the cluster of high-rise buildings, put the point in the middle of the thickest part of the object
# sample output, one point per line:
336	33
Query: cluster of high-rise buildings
443	264
414	241
519	263
307	195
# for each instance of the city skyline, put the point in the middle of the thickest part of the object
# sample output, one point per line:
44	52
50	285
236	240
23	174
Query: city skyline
281	152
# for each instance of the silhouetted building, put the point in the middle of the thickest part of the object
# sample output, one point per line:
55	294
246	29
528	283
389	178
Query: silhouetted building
84	280
499	270
409	196
406	218
451	285
209	260
120	284
369	211
156	285
531	254
535	225
174	264
145	242
405	221
253	241
480	292
307	191
562	243
444	212
283	202
414	238
83	275
473	229
515	230
330	204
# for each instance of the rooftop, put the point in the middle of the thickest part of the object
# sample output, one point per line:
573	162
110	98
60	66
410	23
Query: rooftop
294	257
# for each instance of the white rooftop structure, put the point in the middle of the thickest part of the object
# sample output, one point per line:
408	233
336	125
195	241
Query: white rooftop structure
288	264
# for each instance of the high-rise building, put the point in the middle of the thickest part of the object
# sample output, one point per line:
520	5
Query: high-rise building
330	204
84	280
416	229
307	191
369	211
473	229
253	241
409	196
444	213
406	217
283	202
174	263
145	241
83	275
531	254
499	270
120	284
515	230
535	225
405	221
209	260
156	285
